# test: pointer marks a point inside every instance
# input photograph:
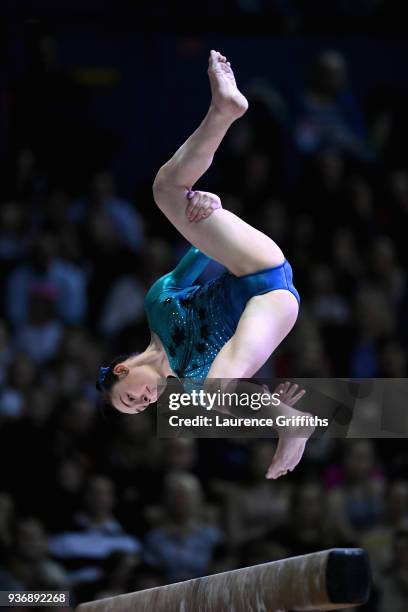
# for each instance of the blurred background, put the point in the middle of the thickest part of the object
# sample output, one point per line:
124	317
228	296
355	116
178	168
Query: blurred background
94	97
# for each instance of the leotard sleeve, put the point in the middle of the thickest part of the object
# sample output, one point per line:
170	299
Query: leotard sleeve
189	268
184	274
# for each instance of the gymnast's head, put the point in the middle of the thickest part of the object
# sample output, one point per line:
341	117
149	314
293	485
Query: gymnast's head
129	383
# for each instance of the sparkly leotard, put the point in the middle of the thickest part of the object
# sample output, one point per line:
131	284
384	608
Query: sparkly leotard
195	321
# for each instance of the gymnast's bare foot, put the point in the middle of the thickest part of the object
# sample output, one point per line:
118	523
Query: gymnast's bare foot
289	453
292	445
226	97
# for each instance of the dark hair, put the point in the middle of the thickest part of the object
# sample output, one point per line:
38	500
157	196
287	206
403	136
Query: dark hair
109	379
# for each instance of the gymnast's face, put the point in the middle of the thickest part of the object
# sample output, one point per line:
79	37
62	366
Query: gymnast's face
135	389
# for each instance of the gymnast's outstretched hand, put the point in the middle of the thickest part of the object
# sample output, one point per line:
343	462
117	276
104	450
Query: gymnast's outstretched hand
289	394
201	205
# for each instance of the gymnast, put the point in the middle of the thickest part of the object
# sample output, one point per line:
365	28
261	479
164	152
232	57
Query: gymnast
227	327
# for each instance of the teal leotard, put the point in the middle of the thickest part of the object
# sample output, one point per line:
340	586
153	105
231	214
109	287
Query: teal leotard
195	321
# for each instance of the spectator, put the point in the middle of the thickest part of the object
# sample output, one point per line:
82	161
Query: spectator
183	547
13	233
386	272
375	323
379	542
309	525
65	493
124	306
330	308
39	337
75	425
46	273
358	499
29	562
328	114
104	203
395	581
361	213
74	365
180	454
21	375
94	536
254	508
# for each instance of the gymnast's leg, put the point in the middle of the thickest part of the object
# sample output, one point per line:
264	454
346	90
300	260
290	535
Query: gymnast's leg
223	236
265	322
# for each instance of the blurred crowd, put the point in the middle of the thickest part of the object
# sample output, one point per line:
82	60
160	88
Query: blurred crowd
91	500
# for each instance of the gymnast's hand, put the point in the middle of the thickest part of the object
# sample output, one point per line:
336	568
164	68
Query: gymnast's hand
288	393
201	205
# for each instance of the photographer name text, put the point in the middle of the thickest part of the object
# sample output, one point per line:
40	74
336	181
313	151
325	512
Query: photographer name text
231	421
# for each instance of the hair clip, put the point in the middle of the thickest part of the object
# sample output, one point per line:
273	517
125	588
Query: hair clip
102	374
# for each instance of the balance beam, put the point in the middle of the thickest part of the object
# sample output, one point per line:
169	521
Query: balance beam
325	580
